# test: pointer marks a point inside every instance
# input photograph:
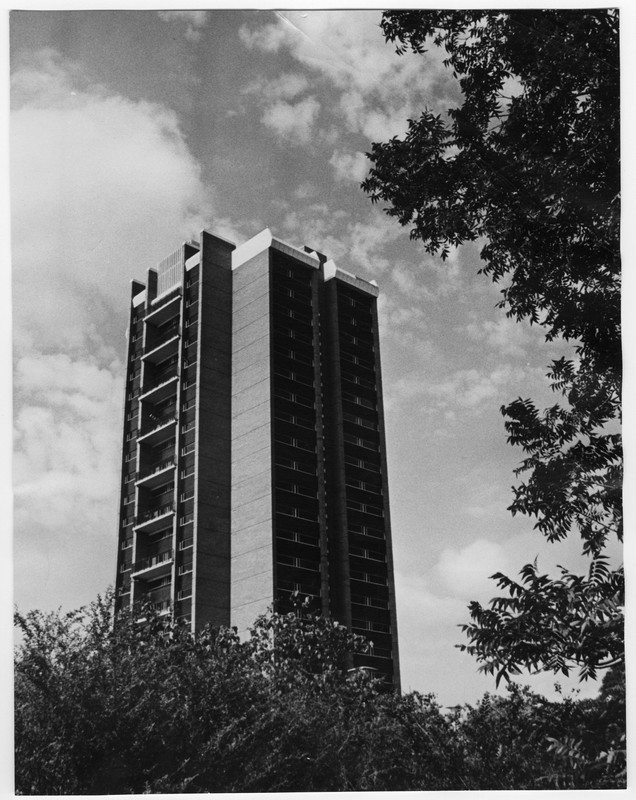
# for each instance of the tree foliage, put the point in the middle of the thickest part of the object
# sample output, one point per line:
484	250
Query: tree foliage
549	623
528	164
130	708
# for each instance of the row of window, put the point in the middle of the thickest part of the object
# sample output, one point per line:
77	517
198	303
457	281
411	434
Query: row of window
368	577
294	561
366	508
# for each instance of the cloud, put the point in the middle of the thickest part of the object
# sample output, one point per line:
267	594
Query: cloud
377	90
195	19
471	389
67	449
293	122
365	245
102	187
268	38
286	87
506	336
349	166
465	572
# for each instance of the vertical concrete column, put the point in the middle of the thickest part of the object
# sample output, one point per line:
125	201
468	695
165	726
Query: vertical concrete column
385	493
252	567
340	589
211	562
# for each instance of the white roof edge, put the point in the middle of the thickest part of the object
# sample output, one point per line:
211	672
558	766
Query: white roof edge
216	236
330	270
297	253
138	299
193	260
264	240
252	247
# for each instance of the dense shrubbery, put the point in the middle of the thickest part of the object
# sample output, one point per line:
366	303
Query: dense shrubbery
133	708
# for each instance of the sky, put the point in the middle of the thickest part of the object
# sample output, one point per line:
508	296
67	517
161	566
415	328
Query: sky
133	131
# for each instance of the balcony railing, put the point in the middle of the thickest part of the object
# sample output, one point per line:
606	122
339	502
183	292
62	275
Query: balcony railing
162	349
169	462
148	516
154	561
162	607
155	389
146	432
167	307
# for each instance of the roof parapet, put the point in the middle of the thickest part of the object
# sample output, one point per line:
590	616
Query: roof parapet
264	240
330	271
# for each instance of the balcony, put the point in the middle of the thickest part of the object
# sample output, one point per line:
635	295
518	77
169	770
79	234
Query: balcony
157	475
155	519
163	351
168	309
161	391
162	608
154	566
159	433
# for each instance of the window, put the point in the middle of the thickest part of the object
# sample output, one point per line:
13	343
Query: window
283	394
297	536
294	376
359	401
359	442
368	625
354	505
299	563
293	511
294	419
298	466
365	530
364	552
368	577
296	489
364	600
294	441
365	423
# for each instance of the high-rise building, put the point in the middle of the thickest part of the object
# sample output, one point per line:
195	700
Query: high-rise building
254	463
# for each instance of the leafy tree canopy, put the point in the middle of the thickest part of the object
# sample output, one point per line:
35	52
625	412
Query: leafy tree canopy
529	164
103	709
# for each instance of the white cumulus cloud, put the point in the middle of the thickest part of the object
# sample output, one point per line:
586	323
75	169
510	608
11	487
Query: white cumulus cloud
102	187
293	122
195	19
376	91
349	166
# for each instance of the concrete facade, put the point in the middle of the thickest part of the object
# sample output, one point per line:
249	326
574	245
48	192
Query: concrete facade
253	459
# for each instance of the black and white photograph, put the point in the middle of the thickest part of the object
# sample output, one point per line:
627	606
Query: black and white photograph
317	376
